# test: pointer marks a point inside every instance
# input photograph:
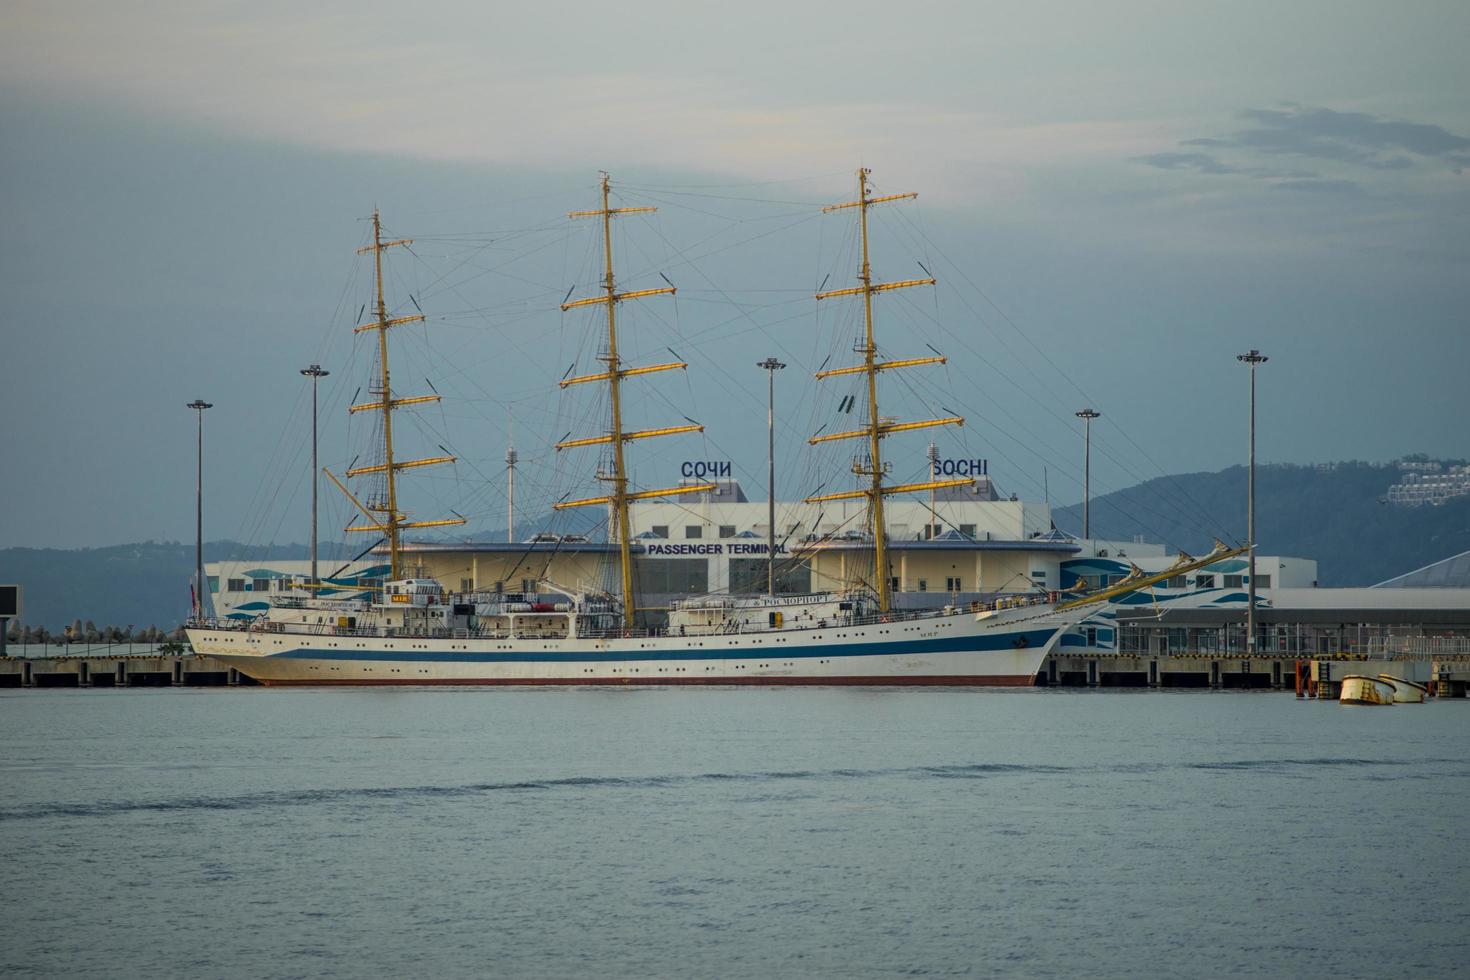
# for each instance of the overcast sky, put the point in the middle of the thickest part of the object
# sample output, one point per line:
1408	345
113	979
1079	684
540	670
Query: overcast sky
1116	199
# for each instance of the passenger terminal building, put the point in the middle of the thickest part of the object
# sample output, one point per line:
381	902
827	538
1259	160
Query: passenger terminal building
970	544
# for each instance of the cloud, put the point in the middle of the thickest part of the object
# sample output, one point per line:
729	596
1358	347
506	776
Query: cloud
1199	162
1347	145
1205	163
1352	139
1318	186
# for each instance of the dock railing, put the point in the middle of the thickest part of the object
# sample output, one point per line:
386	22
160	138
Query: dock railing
1417	647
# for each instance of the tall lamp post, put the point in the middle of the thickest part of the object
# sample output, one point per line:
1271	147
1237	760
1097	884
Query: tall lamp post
199	405
315	373
1252	357
771	366
1087	415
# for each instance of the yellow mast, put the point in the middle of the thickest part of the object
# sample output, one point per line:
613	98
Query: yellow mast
614	375
876	428
389	520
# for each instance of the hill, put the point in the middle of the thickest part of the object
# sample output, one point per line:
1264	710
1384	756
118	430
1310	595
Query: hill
1335	513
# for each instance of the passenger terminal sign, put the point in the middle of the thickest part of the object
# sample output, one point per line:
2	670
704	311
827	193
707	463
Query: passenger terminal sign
716	548
962	467
705	469
720	469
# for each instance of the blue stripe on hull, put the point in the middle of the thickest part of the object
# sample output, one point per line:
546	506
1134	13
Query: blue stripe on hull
959	644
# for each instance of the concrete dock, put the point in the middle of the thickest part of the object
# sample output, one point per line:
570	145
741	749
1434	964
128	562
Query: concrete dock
1447	676
119	670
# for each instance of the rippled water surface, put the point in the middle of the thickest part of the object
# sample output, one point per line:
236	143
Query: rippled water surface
731	833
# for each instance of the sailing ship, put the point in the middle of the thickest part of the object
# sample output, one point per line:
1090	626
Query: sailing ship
414	631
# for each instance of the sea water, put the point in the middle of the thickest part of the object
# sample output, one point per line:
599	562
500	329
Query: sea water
842	832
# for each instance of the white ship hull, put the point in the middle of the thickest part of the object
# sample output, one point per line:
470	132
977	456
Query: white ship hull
961	649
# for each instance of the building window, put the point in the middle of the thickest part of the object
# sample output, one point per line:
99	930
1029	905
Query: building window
262	585
1092	636
694	531
1176	582
1263	581
466	585
236	585
748	577
675	576
893	585
1204	581
953	585
528	585
727	530
968	530
1234	581
923	585
660	530
213	583
499	587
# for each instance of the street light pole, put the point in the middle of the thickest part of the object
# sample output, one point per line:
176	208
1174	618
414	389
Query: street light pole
1087	415
315	373
199	405
1252	357
771	366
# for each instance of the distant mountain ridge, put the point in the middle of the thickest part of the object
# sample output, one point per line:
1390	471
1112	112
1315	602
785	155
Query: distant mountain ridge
1332	513
1336	513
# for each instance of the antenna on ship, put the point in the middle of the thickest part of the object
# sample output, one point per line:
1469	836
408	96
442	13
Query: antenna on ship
933	456
383	514
877	427
617	501
511	458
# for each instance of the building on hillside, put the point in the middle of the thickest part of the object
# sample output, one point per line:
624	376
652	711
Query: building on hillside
1429	484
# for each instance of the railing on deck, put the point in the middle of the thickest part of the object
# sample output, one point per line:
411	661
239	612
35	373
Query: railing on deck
584	631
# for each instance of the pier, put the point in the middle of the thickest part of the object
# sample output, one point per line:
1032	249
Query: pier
96	666
1445	672
1446	675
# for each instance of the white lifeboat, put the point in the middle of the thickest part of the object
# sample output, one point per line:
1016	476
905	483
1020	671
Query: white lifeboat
1405	691
1360	689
